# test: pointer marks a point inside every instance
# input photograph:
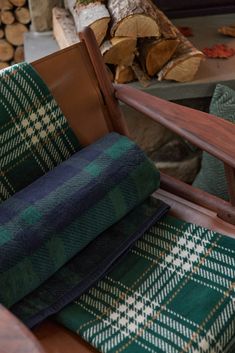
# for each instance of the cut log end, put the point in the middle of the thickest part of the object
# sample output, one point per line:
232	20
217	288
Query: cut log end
100	28
137	26
119	51
6	50
124	74
154	54
15	33
3	65
182	70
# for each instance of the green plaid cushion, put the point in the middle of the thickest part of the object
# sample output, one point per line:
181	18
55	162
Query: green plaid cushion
211	177
174	292
35	136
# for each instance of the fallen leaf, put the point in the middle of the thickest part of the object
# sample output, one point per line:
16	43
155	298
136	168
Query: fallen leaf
221	51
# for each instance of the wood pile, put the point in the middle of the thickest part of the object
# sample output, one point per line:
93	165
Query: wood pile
136	39
14	22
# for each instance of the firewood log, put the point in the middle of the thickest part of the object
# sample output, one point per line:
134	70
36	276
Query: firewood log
154	54
2	34
15	33
133	18
18	2
227	31
3	65
94	15
124	74
5	5
142	77
7	17
185	62
22	15
19	54
6	50
119	50
64	28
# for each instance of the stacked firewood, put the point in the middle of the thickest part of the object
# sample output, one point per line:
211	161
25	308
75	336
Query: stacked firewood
14	22
136	39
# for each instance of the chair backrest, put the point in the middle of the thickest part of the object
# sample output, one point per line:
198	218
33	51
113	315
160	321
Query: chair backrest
78	80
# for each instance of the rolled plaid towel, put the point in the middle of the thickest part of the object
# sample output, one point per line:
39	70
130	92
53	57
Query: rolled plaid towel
47	223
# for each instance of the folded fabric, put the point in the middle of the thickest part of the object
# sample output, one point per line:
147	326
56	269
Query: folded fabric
51	220
89	265
174	292
35	136
211	177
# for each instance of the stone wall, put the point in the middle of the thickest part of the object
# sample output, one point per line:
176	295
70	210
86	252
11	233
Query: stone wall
41	14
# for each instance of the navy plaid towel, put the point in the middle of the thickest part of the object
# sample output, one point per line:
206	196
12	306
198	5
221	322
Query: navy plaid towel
55	218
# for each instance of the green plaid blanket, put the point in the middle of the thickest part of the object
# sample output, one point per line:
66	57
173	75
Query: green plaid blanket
35	136
174	292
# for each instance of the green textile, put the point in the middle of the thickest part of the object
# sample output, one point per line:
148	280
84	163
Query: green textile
211	177
51	220
35	136
174	292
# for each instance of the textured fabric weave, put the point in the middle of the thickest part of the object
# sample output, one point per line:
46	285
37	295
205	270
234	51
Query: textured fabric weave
89	265
34	134
51	220
174	292
211	177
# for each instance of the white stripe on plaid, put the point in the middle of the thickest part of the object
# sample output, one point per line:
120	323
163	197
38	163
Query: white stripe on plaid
140	313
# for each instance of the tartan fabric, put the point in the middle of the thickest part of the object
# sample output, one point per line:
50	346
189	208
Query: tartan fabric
89	265
35	136
211	177
51	220
174	292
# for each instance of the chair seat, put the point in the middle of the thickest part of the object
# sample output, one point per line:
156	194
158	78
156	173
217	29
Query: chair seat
172	293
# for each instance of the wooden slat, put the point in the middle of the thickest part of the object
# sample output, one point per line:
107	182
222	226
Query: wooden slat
208	132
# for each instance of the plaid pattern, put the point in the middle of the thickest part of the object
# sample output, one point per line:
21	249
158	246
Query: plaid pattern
51	220
174	292
211	177
35	136
89	265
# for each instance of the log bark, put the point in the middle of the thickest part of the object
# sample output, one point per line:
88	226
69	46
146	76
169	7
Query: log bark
5	5
142	77
7	17
19	54
124	74
22	15
119	51
64	28
185	62
18	2
133	18
15	33
94	15
6	50
227	31
154	54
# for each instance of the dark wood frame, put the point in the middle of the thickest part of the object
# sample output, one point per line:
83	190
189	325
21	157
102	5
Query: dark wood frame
208	132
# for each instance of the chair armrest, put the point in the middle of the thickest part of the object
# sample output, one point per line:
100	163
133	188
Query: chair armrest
206	131
14	336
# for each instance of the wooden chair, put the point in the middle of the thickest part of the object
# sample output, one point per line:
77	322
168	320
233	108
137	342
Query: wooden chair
79	82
